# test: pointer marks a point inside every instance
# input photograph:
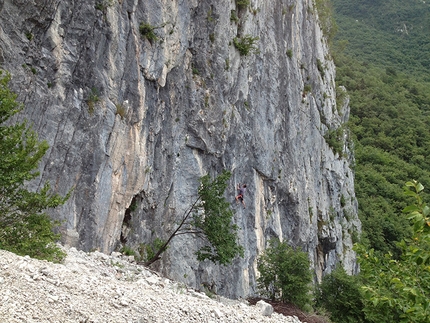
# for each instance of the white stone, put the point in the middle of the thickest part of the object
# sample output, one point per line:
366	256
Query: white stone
115	254
218	314
266	309
153	280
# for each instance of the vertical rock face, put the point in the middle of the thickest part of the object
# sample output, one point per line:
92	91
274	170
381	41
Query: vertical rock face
134	123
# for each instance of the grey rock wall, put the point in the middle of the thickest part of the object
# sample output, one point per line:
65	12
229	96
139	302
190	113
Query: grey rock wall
134	124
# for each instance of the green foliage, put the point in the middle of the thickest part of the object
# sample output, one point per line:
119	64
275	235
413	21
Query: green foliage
29	36
102	5
133	206
212	37
128	251
340	295
246	44
387	33
210	218
342	201
147	31
320	68
93	98
254	11
242	4
24	228
33	237
209	16
148	251
398	289
216	221
285	274
390	110
289	53
227	64
325	14
334	138
120	110
195	71
233	16
390	115
341	96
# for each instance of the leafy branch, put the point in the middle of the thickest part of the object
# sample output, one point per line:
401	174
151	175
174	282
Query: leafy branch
210	218
398	289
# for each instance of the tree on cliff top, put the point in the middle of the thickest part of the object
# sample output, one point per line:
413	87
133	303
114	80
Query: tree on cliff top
209	218
24	228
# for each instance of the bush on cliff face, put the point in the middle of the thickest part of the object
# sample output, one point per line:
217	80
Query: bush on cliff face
147	31
242	4
24	228
246	44
285	274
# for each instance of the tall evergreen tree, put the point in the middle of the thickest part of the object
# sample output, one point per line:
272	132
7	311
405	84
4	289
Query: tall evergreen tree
24	228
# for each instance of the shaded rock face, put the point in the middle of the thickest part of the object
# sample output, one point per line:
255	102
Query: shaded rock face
133	124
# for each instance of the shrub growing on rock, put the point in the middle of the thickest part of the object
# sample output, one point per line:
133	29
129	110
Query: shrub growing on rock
147	31
246	44
242	4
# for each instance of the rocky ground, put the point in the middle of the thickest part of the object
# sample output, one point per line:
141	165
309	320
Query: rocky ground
94	287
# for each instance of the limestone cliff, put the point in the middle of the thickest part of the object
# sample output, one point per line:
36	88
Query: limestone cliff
134	122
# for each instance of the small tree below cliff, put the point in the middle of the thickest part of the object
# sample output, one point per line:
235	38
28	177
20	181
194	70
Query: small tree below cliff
24	228
339	294
209	218
285	274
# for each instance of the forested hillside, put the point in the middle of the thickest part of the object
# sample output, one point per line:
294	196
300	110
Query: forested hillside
382	56
387	33
381	51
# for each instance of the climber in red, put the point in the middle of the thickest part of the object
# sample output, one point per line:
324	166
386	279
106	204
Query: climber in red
241	190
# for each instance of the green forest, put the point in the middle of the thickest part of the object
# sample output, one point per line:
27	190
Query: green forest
386	33
382	54
381	49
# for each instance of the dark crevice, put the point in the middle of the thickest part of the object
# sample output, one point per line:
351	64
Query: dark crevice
126	223
325	245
